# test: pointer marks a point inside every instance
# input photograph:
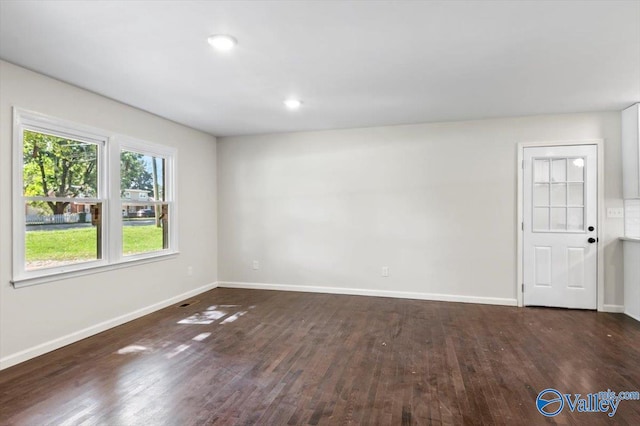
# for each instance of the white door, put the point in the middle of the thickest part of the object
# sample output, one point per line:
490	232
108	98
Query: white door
560	226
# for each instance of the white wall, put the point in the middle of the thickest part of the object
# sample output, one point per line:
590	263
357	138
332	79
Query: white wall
436	203
36	319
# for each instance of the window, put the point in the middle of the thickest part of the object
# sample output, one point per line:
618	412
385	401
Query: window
67	219
145	229
59	187
558	195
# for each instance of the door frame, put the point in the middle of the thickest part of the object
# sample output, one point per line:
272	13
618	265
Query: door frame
599	143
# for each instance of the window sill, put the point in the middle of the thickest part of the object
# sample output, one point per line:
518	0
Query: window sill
91	270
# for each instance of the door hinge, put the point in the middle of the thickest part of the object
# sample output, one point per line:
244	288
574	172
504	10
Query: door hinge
522	164
523	287
522	225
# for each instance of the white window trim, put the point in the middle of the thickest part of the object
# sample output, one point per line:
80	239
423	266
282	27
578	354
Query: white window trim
120	143
109	148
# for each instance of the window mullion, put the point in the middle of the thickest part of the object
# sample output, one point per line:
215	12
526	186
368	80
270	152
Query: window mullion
115	204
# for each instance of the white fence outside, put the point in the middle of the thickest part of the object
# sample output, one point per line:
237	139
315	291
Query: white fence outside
36	219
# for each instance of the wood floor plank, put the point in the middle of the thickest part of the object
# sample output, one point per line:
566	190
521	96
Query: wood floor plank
285	358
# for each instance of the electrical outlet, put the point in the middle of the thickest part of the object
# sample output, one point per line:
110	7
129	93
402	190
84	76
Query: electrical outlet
189	270
256	265
615	212
385	271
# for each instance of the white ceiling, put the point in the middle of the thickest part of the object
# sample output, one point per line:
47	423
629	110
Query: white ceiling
353	63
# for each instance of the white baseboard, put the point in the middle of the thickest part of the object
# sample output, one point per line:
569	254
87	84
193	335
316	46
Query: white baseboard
613	308
635	317
54	344
372	292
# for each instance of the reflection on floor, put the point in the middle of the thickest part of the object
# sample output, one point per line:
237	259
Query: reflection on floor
213	313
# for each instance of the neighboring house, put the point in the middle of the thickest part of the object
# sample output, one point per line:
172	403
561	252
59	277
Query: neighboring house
135	196
79	208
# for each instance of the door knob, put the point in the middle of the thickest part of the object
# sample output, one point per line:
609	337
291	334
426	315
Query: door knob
591	228
592	240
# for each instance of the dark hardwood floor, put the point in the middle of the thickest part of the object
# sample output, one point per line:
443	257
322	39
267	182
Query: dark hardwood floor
277	358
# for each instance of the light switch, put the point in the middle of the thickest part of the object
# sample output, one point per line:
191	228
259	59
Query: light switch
615	212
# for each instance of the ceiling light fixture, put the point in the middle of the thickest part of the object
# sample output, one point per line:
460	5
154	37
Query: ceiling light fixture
222	42
293	103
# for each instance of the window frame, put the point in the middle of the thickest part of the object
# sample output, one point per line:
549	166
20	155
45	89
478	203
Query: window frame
109	147
126	143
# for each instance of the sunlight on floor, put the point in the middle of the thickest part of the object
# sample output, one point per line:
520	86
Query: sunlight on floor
132	349
200	337
206	317
178	350
233	317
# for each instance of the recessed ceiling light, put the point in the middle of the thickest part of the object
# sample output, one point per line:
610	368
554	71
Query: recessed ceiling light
222	42
293	103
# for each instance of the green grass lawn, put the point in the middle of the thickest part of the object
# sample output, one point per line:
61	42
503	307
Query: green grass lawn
141	239
80	244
